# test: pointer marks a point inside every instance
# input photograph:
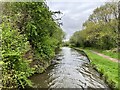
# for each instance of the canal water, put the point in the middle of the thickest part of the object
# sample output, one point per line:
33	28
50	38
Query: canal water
71	71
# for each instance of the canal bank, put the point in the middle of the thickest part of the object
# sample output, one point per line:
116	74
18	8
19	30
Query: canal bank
108	70
72	70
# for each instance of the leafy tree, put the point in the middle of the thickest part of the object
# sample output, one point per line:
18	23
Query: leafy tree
30	33
100	30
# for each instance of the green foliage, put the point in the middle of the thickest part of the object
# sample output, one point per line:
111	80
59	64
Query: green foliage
112	53
16	68
1	62
27	27
107	68
37	23
66	43
100	30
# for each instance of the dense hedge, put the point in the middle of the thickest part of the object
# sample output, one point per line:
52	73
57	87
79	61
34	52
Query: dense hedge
29	33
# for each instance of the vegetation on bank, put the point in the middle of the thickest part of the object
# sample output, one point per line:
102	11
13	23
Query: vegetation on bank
66	43
100	30
1	62
112	53
30	37
100	33
108	69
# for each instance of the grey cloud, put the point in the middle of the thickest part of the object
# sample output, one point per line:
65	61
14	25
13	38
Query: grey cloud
74	14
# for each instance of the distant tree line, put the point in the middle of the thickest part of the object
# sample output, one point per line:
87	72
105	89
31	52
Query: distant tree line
100	30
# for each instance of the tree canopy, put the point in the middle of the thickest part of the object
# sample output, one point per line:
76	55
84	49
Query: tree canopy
100	30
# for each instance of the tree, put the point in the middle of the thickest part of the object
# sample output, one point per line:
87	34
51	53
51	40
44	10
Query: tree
30	34
100	30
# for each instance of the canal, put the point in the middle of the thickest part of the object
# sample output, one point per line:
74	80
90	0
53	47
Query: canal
73	70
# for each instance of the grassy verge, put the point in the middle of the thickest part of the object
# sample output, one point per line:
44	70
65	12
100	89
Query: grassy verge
110	53
107	68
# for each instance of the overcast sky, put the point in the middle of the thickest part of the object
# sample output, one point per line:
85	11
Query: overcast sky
75	13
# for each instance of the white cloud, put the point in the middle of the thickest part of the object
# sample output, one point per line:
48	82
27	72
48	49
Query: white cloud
81	0
75	13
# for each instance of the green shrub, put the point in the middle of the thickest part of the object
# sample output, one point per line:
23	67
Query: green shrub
16	69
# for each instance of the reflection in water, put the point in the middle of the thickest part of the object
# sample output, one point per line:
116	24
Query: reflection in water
72	71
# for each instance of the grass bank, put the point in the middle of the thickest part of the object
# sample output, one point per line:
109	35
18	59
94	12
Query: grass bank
112	53
107	68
